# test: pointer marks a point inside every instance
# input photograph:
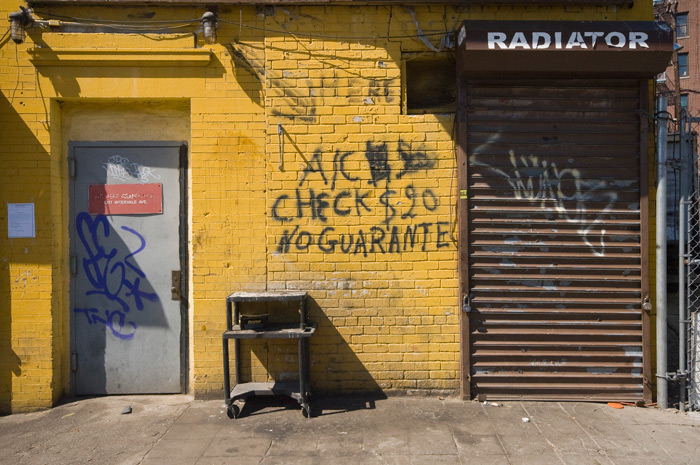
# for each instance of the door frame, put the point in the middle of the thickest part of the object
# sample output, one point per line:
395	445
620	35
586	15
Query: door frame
183	249
463	244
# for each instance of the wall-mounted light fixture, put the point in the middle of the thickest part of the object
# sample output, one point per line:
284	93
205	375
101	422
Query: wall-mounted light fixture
19	20
209	24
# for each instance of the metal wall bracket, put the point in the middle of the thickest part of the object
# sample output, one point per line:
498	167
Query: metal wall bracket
176	282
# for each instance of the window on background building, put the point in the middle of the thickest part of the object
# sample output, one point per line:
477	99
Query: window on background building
683	64
661	77
684	101
682	25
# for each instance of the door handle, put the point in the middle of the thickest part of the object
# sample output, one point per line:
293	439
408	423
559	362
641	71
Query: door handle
176	277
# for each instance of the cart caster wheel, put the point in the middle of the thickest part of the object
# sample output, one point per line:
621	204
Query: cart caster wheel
233	411
306	411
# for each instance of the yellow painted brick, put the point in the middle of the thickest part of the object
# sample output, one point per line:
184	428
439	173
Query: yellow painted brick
235	178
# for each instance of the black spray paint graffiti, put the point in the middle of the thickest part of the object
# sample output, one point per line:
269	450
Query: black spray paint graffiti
413	161
351	199
119	280
300	102
377	240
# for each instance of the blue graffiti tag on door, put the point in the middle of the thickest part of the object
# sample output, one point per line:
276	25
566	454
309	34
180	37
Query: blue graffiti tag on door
117	279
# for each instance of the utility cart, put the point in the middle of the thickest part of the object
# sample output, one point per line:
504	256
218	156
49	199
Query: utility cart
256	327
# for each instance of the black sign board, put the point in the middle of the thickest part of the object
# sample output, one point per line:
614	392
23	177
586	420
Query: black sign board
580	48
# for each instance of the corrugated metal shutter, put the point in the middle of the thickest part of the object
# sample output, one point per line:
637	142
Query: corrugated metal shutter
554	233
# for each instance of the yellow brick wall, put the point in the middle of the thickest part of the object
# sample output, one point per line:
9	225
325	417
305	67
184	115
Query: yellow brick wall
386	305
387	310
228	172
28	278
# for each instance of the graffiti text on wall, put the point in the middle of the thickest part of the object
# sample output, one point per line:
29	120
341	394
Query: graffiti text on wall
538	180
400	202
120	168
116	278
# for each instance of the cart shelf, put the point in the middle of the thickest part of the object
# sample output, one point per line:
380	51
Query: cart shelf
272	331
276	388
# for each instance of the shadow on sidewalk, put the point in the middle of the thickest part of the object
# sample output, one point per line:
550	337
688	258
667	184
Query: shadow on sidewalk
322	406
339	379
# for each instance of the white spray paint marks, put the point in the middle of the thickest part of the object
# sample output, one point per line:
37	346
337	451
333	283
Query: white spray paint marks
120	168
542	182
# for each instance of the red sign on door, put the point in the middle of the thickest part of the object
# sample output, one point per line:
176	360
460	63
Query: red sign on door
125	199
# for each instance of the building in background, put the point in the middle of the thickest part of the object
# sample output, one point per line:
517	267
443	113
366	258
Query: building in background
462	190
680	85
681	80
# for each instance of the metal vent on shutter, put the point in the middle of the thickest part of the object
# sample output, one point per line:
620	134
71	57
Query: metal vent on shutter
554	237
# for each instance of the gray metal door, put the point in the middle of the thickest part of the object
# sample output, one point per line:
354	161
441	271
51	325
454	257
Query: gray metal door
125	245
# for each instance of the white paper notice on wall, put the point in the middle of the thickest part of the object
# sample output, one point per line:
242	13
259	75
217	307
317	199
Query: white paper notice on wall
20	220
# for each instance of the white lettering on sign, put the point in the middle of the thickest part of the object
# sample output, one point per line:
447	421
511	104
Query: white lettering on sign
615	39
519	40
497	38
594	37
576	40
581	40
541	40
638	38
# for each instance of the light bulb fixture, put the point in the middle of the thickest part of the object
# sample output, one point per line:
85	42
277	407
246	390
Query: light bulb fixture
209	24
19	20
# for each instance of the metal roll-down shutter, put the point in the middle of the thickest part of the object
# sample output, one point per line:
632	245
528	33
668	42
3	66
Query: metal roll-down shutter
554	231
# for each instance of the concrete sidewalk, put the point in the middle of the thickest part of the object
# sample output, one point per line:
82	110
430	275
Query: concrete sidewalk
177	430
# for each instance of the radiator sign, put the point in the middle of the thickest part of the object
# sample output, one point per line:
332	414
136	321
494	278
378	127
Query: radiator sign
566	40
125	199
567	49
565	35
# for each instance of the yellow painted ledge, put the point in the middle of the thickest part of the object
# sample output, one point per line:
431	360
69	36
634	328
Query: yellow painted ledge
119	57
